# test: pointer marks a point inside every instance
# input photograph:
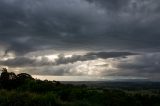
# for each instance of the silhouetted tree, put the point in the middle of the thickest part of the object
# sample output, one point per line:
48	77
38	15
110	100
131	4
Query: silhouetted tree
24	76
4	79
9	80
4	75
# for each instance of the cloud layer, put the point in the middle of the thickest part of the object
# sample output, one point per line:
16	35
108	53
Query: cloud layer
80	24
43	61
102	29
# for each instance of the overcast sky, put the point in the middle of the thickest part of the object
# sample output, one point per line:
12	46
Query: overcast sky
93	38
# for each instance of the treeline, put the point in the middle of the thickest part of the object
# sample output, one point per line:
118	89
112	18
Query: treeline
23	90
24	81
9	80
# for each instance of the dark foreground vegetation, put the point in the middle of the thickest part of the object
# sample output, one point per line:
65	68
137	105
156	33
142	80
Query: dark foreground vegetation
23	90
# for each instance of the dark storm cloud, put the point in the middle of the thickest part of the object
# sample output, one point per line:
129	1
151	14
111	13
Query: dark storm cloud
134	22
80	24
91	56
51	24
25	61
